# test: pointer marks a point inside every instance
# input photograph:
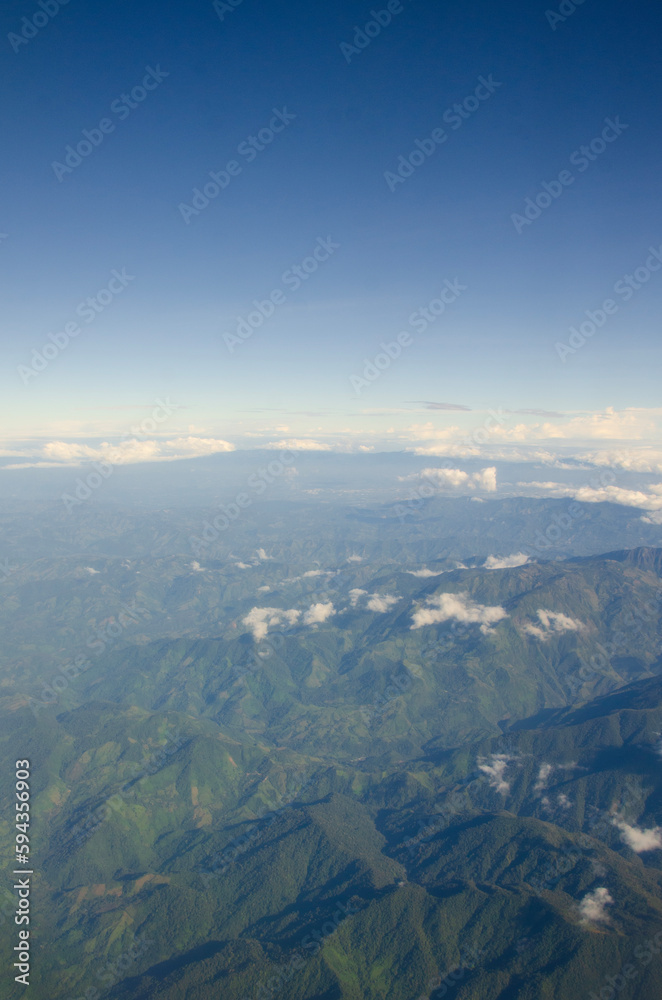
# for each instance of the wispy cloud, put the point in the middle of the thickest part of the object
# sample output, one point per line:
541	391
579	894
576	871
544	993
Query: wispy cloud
543	777
424	573
506	562
381	603
439	406
552	622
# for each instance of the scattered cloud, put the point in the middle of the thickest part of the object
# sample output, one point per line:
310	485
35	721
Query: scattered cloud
318	613
593	907
551	623
506	562
91	571
243	565
485	480
424	573
563	800
494	767
298	444
265	589
381	603
262	555
651	501
543	777
260	620
196	567
354	558
636	838
459	607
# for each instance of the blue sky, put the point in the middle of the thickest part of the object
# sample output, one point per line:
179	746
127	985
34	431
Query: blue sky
353	116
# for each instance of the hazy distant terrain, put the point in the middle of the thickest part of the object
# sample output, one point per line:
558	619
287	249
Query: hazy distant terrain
342	750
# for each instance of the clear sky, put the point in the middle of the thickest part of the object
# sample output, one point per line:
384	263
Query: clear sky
169	92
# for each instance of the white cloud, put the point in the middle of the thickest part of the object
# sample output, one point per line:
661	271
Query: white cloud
636	838
262	555
424	573
593	907
381	602
506	562
551	623
354	558
91	571
318	613
543	777
563	800
494	767
651	501
298	444
196	567
485	480
265	589
128	452
243	565
460	607
260	620
355	595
